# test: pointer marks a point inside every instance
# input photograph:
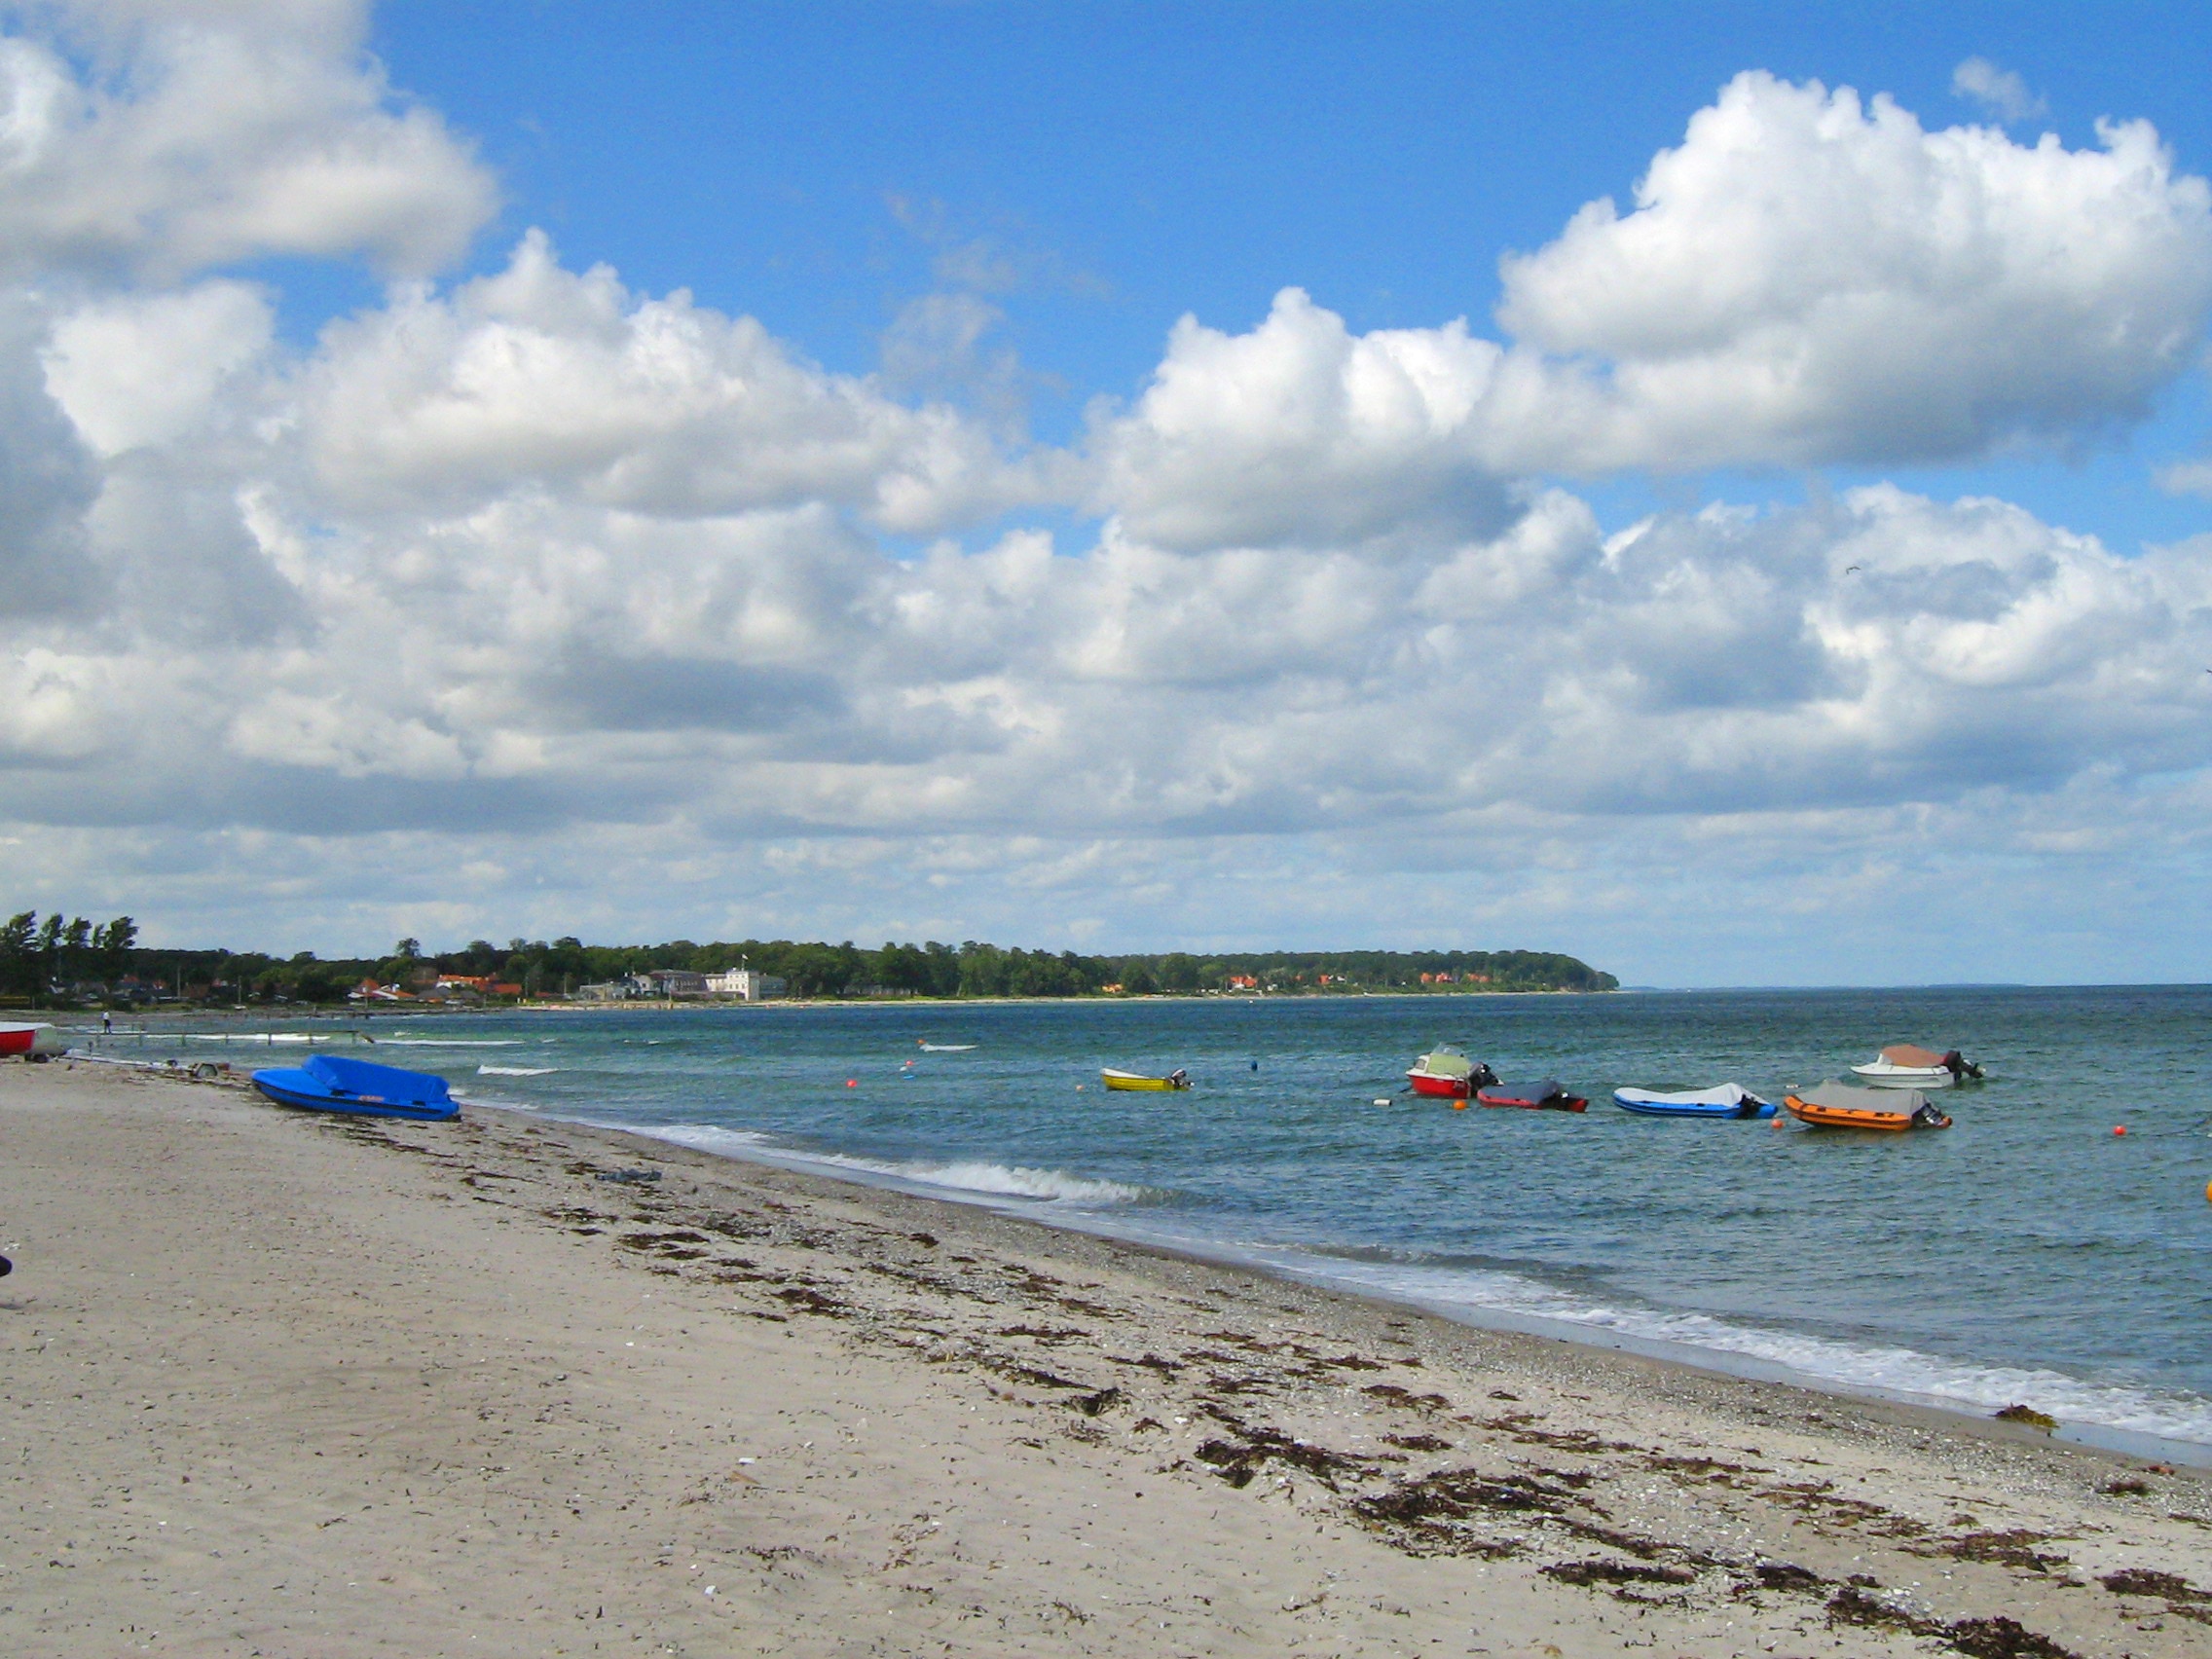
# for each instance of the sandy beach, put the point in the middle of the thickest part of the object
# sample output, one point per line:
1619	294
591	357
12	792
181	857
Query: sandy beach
284	1384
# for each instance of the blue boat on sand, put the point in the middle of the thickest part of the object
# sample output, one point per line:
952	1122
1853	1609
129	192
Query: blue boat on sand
331	1083
1724	1100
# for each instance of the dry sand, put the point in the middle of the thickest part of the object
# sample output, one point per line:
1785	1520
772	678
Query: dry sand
285	1385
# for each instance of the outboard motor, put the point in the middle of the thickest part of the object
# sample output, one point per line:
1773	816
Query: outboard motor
1959	1066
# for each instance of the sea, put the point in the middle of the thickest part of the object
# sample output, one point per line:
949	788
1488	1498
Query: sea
2033	1254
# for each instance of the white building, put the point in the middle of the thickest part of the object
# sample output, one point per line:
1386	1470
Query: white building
746	983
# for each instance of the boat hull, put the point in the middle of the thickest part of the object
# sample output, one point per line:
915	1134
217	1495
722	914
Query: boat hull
1549	1103
358	1089
1439	1086
1134	1083
1816	1115
1647	1104
1880	1073
34	1041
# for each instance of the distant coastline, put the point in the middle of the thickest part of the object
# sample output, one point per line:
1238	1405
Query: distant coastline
63	963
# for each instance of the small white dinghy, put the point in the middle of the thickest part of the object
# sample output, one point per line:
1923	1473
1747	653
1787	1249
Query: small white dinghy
1906	1065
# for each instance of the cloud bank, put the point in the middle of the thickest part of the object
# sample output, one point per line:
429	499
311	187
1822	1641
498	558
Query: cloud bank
586	597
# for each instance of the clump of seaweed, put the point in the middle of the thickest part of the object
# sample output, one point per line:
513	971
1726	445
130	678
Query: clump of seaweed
2192	1602
1590	1574
2015	1548
2144	1581
1440	1513
1783	1575
1238	1460
1995	1638
2028	1415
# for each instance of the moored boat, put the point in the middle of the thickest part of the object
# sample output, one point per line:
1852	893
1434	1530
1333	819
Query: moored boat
1907	1065
1174	1079
1722	1100
1446	1073
35	1041
332	1082
1840	1106
1547	1095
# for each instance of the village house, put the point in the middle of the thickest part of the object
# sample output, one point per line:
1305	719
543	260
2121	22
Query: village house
748	983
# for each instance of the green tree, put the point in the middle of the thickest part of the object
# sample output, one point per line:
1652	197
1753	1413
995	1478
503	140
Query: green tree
19	953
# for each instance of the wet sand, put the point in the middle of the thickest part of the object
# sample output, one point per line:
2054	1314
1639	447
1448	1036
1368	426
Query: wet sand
285	1385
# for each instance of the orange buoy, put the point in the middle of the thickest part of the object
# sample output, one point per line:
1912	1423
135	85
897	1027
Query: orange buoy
1459	1105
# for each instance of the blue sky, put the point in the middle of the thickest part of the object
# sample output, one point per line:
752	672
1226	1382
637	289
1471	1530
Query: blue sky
1793	575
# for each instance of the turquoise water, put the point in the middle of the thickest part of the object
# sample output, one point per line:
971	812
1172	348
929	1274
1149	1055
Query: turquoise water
2027	1254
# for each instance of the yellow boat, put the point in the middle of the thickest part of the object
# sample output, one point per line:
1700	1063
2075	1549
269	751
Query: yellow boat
1113	1079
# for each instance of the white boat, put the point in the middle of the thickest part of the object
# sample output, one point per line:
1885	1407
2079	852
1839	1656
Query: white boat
1906	1065
1881	1074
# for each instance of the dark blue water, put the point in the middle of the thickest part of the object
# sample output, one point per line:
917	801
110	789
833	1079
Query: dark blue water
2025	1254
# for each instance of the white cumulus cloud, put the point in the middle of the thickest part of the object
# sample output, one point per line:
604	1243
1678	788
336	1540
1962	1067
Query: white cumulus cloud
1811	278
169	138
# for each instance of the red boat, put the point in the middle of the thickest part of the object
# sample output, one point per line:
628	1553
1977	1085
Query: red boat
1545	1096
34	1041
1447	1075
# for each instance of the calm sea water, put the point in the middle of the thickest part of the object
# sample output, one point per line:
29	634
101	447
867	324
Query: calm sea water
2028	1254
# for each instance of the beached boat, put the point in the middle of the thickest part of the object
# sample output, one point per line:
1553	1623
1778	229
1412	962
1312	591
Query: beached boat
1724	1100
332	1082
1548	1095
1176	1078
1447	1075
1840	1106
1907	1065
38	1040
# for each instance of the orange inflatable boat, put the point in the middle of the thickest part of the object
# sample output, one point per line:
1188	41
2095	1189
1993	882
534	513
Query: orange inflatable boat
1839	1106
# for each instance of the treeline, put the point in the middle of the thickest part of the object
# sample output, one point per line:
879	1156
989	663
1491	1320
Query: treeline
75	960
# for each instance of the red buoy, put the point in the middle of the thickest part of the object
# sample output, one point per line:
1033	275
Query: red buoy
2120	1128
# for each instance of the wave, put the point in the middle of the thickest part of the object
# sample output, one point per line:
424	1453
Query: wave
1873	1368
449	1041
515	1070
990	1180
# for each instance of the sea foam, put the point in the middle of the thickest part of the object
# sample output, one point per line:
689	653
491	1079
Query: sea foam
983	1179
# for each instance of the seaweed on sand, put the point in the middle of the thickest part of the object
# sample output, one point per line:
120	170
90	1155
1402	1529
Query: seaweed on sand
1588	1574
1994	1637
1238	1460
1443	1513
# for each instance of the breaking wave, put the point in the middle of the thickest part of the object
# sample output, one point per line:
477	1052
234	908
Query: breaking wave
982	1179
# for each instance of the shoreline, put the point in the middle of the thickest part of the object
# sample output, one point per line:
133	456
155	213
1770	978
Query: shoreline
2140	1444
392	1387
2038	1388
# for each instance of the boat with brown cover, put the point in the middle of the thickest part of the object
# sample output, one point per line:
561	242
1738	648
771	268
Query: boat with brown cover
1839	1106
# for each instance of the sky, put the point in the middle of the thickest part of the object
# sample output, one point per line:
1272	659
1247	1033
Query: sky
1724	493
